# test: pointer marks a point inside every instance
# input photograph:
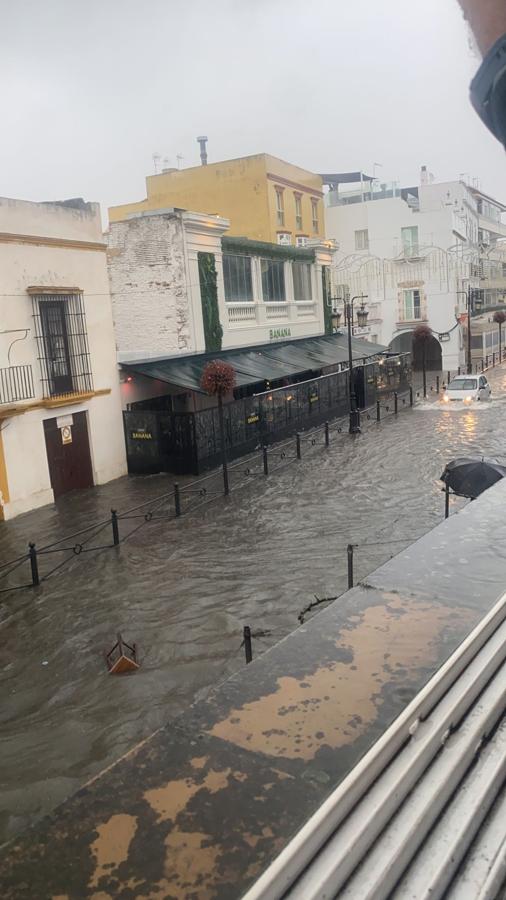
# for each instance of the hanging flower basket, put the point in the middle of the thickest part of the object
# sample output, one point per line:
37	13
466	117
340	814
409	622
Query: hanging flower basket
218	378
422	334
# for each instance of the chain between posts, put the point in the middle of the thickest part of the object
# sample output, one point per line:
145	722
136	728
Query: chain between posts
154	504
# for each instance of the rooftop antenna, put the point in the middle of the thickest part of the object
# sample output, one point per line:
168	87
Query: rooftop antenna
156	162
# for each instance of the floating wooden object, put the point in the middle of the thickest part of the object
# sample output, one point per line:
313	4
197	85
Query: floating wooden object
122	657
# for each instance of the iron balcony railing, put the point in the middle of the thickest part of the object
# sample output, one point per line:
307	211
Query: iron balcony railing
16	383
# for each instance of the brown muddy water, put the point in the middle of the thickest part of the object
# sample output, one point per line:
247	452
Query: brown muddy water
183	590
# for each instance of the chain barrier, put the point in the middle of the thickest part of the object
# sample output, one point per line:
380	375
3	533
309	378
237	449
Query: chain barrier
182	500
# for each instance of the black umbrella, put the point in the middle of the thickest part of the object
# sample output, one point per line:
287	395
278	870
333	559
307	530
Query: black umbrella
470	476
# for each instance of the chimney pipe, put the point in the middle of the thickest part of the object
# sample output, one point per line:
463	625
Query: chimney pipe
424	175
202	140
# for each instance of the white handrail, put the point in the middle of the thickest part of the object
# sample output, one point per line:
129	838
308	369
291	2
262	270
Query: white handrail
294	858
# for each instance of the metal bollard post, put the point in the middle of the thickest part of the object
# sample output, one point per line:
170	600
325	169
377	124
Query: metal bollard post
396	403
247	643
265	459
378	411
410	396
437	384
493	360
448	379
177	499
349	551
32	553
447	501
115	529
297	444
327	434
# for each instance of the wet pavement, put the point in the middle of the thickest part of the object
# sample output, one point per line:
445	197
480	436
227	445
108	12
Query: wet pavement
183	590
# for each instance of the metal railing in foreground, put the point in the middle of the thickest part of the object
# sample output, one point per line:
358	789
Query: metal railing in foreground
338	837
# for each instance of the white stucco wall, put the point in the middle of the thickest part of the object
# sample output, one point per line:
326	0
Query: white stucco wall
447	215
27	263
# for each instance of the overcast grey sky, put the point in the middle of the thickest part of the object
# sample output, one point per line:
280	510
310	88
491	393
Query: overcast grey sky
92	88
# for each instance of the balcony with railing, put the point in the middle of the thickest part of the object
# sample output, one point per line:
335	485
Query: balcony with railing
16	384
241	314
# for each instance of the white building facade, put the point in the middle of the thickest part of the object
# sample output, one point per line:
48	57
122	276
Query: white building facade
415	252
60	411
180	286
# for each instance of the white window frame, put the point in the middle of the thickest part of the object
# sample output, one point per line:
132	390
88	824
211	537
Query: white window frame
362	239
298	212
308	268
285	282
315	215
406	316
280	206
410	247
238	299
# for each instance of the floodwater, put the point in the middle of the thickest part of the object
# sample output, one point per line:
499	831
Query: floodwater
183	590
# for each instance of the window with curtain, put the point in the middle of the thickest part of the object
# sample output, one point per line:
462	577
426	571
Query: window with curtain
237	278
409	237
280	206
273	280
314	210
298	211
412	305
362	239
302	281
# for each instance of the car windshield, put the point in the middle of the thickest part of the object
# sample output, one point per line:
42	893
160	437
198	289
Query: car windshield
463	384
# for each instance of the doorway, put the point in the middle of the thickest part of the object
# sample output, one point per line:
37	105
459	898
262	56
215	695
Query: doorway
54	329
68	453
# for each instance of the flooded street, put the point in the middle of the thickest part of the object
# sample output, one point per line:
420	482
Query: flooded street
183	590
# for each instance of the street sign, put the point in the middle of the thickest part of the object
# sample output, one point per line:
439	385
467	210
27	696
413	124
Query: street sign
66	434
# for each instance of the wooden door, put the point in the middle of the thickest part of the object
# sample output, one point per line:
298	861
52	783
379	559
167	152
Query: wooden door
69	463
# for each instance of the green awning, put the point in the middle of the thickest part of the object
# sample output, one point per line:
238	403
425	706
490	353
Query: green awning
264	362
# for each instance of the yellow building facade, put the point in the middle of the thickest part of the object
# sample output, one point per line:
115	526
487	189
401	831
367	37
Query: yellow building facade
265	198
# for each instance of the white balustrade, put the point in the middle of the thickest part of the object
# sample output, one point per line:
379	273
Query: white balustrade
241	312
305	309
277	310
248	313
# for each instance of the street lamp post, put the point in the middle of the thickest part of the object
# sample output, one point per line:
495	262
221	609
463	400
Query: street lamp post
362	314
473	298
469	357
499	318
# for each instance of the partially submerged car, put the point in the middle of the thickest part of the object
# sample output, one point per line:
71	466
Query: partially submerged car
467	389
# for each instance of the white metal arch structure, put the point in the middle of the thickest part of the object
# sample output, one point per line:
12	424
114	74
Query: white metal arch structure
367	273
422	813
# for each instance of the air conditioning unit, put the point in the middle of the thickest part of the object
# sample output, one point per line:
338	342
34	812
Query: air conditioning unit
301	241
284	238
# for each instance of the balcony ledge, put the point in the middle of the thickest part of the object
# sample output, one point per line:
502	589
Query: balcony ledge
18	409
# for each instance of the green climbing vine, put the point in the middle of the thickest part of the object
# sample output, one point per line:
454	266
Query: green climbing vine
327	311
213	331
